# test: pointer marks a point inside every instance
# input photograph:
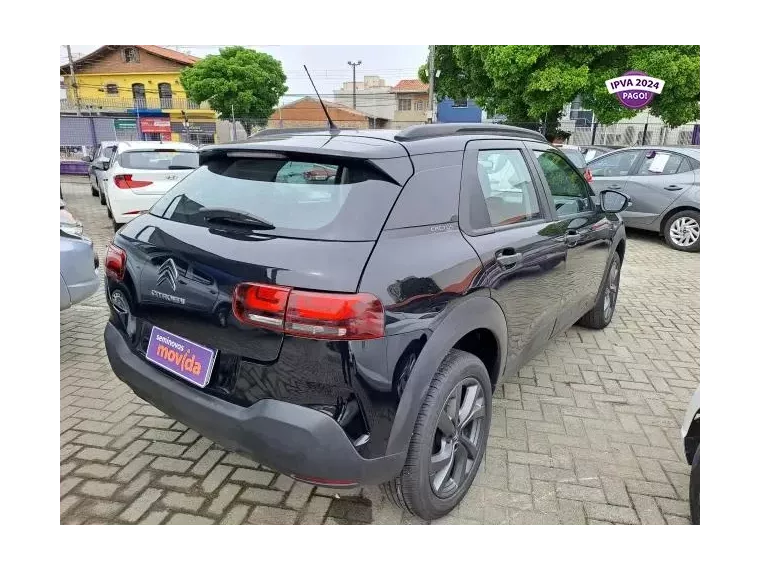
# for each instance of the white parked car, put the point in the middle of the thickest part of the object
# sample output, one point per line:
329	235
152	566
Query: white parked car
140	172
690	435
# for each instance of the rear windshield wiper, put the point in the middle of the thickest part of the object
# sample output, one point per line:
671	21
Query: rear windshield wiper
231	217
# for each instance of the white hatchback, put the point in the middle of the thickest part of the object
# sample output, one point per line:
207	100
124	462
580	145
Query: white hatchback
140	172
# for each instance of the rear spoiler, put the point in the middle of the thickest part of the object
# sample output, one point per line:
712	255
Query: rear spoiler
398	169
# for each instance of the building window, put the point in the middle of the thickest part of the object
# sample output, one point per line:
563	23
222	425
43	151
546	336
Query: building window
130	55
404	104
112	89
420	105
459	103
165	94
138	92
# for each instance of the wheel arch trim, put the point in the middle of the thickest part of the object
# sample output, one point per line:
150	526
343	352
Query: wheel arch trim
472	313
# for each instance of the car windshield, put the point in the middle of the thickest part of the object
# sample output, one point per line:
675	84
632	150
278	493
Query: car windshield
159	159
294	198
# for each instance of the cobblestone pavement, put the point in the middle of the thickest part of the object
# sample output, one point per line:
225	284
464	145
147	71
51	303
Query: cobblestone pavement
588	432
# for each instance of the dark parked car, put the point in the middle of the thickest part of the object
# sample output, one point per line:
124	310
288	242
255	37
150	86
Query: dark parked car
357	338
663	183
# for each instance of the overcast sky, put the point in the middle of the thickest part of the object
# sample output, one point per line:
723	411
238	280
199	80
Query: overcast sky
327	64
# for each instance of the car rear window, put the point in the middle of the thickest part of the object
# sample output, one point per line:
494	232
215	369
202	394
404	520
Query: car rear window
159	159
321	199
576	157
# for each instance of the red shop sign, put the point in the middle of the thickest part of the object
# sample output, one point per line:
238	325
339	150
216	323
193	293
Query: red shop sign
153	125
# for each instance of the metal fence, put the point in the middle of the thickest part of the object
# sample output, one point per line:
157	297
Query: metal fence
95	104
80	134
631	134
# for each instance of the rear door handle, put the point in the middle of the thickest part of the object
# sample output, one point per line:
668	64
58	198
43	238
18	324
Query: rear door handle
508	259
614	187
673	187
572	237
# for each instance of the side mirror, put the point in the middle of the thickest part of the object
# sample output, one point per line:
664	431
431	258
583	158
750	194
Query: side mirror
613	202
102	163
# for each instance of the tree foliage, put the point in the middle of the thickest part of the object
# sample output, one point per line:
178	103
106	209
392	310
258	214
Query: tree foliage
245	80
532	83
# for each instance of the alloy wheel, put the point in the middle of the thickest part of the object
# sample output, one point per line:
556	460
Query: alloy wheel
684	232
458	438
611	290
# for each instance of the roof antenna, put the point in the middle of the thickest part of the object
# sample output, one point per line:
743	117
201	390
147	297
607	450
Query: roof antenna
329	120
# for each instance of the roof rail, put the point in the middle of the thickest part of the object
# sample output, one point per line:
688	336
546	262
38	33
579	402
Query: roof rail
419	132
289	131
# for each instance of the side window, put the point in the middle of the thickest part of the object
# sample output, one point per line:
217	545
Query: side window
507	187
569	191
615	164
657	162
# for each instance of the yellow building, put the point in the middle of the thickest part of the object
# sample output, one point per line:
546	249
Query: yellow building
140	81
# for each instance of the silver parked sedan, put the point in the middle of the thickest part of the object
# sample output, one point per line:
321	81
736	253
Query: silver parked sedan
79	262
663	183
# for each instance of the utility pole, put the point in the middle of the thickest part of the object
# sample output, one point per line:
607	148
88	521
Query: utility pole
353	65
74	81
431	81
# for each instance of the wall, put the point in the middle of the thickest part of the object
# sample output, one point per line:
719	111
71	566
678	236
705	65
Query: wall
403	119
447	113
373	97
90	84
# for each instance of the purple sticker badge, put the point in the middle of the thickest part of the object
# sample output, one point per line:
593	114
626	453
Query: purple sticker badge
635	89
184	358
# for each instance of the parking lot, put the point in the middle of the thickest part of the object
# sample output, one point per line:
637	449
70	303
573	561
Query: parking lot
587	433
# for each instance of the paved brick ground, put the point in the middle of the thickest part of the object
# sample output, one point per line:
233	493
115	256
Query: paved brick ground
588	432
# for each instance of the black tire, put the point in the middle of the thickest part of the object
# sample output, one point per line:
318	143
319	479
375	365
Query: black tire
102	198
116	225
108	211
599	317
412	489
694	489
687	217
93	190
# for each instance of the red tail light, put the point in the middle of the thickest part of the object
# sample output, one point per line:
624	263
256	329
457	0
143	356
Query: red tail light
116	262
125	182
587	176
331	316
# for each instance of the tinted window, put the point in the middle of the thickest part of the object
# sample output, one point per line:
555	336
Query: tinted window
568	188
159	160
507	187
108	151
300	199
686	166
615	164
576	157
658	162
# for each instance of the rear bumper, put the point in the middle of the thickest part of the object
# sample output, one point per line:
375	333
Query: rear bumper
131	203
292	439
80	291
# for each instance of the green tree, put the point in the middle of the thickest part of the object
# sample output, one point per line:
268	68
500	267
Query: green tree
245	80
531	84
